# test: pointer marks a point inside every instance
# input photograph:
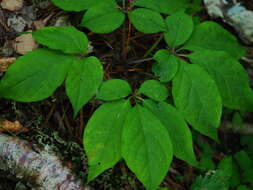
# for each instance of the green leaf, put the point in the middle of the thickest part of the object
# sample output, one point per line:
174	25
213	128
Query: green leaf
163	6
35	76
114	89
230	77
247	176
103	18
146	147
243	187
196	95
227	164
244	160
64	38
210	35
213	180
147	21
75	5
102	136
154	90
83	81
177	128
179	29
166	65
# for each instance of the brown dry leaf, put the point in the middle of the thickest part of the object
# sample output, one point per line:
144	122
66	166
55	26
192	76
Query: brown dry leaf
14	127
12	5
5	63
38	24
25	43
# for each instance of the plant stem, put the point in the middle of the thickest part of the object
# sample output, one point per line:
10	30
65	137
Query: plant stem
153	46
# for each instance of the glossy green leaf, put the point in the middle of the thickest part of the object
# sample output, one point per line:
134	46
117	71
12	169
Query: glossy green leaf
75	5
213	180
163	6
179	29
210	35
146	147
103	18
243	187
83	81
65	38
244	160
147	21
227	164
166	65
114	89
197	96
179	132
35	76
154	90
102	136
230	77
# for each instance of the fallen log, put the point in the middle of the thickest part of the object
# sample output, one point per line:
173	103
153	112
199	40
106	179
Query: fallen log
40	169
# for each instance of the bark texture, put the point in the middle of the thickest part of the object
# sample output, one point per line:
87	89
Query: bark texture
40	169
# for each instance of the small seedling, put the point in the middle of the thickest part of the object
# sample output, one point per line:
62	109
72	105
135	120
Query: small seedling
36	75
145	135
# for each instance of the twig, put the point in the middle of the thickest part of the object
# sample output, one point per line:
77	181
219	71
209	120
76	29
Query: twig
81	124
141	60
153	46
244	129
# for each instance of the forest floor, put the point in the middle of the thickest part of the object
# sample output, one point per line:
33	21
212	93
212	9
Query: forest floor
50	121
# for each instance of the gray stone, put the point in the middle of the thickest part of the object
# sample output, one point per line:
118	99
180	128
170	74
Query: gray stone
234	14
17	23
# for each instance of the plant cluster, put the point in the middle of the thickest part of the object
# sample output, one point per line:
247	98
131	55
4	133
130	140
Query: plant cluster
234	171
145	127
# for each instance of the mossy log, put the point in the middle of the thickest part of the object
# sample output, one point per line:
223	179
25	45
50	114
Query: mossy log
39	169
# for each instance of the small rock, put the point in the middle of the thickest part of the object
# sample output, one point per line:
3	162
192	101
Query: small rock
17	23
7	49
24	44
12	5
235	14
29	12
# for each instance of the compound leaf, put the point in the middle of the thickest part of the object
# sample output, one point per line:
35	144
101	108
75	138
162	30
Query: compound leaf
75	5
102	136
65	38
197	97
146	147
179	132
166	65
154	90
35	76
103	18
147	21
179	29
230	77
83	81
210	35
217	179
114	89
163	6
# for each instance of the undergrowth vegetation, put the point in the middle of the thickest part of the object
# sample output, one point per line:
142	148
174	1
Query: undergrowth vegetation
193	80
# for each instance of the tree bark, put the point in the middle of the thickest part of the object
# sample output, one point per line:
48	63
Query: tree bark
39	169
